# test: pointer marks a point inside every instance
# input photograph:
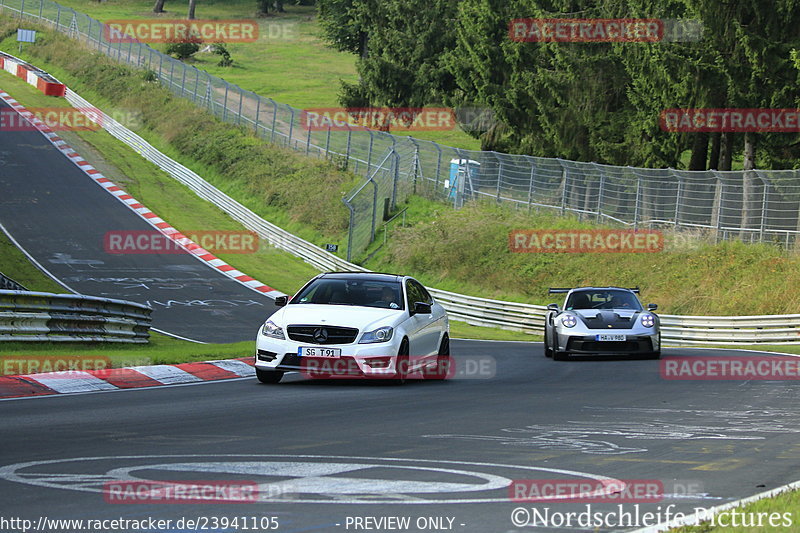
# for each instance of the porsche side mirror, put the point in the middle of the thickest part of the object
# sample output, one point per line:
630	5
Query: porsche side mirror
652	307
553	307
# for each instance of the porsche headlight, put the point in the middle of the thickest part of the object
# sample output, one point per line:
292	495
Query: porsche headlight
569	321
379	335
271	330
648	320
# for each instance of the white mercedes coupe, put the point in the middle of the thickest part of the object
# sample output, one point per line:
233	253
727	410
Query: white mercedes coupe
356	325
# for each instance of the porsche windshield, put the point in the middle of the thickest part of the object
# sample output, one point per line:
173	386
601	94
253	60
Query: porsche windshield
603	299
358	292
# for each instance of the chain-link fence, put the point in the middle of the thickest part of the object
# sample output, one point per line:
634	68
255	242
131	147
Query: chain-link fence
752	205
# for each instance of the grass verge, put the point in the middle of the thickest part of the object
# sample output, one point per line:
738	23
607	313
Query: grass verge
302	70
785	508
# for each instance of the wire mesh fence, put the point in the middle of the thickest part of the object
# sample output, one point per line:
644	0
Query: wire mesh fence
753	205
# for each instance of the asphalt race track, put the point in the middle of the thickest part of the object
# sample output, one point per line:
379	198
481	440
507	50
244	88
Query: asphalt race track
60	217
332	452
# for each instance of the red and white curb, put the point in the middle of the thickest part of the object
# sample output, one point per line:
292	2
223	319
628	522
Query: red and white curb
69	382
154	220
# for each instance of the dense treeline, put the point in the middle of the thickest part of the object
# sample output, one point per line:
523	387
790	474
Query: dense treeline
582	101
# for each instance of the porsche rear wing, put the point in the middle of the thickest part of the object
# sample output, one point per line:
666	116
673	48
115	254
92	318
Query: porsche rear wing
562	290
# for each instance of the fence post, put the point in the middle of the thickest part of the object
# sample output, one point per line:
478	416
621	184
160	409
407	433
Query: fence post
274	119
183	81
258	113
369	153
374	209
21	9
291	125
438	169
499	174
328	143
395	177
225	102
530	184
241	103
308	139
716	207
196	83
41	8
58	18
564	178
347	151
636	206
349	230
678	200
764	200
600	192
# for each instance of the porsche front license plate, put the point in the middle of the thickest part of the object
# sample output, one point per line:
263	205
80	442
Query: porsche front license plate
333	353
610	337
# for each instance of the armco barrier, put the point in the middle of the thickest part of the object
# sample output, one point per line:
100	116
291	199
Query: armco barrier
43	316
784	329
32	75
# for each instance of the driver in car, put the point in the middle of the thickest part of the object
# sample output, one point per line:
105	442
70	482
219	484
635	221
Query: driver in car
387	298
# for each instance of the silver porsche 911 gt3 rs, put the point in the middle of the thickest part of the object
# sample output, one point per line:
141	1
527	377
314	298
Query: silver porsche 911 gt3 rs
601	320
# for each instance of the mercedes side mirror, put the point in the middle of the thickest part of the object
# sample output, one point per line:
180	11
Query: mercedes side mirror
422	308
280	301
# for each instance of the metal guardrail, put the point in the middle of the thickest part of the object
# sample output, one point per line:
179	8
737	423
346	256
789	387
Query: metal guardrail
42	316
783	329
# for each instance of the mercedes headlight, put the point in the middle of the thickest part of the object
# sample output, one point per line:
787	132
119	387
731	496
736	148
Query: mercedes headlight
271	330
379	335
648	320
569	321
